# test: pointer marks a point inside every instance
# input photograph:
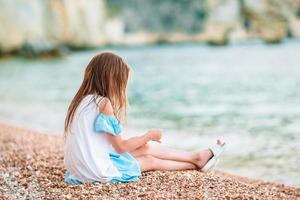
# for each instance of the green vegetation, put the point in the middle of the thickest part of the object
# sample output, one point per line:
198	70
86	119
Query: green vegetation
166	16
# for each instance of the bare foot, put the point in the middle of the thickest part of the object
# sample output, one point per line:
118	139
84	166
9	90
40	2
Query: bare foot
203	156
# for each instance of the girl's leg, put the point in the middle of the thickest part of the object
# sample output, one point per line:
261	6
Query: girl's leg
165	153
198	158
148	163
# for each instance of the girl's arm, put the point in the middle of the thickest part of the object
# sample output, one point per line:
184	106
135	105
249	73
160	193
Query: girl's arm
122	146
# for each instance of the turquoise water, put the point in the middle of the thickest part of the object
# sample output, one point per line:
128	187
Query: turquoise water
248	94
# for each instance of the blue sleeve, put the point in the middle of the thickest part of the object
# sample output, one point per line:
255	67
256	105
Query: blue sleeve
108	124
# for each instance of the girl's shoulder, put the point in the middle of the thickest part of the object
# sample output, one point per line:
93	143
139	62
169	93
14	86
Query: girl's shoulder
103	103
105	120
105	107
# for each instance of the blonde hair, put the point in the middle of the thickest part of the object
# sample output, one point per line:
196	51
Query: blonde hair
106	75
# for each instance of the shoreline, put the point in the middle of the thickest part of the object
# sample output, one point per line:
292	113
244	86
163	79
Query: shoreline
32	167
63	51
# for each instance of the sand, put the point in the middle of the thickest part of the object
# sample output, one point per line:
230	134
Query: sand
32	168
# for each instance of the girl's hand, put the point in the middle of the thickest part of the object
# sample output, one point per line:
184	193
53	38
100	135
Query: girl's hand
155	134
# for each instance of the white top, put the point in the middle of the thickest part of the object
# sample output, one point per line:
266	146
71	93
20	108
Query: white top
86	151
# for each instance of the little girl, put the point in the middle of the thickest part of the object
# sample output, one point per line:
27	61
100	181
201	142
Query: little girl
95	150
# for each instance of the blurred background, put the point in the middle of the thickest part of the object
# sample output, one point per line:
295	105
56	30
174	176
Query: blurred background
201	70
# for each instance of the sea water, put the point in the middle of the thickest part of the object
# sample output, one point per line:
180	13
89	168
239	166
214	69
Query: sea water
246	94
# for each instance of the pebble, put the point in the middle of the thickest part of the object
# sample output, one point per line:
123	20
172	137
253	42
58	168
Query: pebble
32	167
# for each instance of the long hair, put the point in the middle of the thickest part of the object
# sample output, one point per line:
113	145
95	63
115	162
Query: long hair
106	75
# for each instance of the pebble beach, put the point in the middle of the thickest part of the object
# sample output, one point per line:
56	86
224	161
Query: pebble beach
32	168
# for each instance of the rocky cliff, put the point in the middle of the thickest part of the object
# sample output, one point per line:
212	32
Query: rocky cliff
271	20
43	25
48	26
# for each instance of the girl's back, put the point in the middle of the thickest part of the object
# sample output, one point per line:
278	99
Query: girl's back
86	151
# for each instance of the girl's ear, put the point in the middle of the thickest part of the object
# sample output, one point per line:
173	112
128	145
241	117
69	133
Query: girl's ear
105	107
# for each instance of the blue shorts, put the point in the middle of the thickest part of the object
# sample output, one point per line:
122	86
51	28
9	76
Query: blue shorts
127	166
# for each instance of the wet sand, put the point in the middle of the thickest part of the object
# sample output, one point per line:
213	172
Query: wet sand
32	168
